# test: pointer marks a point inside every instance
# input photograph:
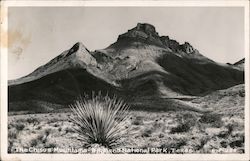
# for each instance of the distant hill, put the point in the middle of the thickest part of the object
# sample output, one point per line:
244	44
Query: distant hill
229	101
147	70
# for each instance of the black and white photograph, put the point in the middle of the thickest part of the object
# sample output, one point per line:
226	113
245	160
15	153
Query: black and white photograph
104	80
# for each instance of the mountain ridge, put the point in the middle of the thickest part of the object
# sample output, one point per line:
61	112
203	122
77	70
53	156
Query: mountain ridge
141	67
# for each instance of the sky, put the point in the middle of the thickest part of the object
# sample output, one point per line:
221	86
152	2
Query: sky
38	34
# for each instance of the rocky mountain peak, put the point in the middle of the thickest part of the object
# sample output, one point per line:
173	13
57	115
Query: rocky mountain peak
146	28
147	33
144	32
77	47
81	53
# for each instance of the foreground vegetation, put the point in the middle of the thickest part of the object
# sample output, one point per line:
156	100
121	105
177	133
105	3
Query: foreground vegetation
173	130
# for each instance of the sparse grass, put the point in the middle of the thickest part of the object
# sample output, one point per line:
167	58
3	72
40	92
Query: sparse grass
100	120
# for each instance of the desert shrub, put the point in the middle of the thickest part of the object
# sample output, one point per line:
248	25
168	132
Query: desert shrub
175	143
32	120
9	126
138	121
161	135
10	145
33	142
242	93
53	120
212	118
50	145
19	126
232	125
96	122
237	143
47	132
40	137
56	125
181	128
43	136
67	130
147	133
12	134
223	144
186	122
38	127
202	140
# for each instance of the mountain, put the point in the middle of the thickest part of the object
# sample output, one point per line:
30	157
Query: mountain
240	65
147	70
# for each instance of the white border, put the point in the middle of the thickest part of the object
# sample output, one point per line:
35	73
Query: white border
4	27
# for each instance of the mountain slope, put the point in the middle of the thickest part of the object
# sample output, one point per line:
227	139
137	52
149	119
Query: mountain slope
60	88
147	70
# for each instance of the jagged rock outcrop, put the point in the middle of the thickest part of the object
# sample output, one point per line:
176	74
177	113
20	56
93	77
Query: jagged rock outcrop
169	43
187	48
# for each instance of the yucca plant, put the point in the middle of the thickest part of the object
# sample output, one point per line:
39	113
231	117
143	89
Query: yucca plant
100	120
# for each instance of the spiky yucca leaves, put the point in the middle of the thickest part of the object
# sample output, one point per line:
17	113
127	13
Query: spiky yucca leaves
100	120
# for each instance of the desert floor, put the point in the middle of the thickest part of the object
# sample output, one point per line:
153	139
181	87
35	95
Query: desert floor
218	131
